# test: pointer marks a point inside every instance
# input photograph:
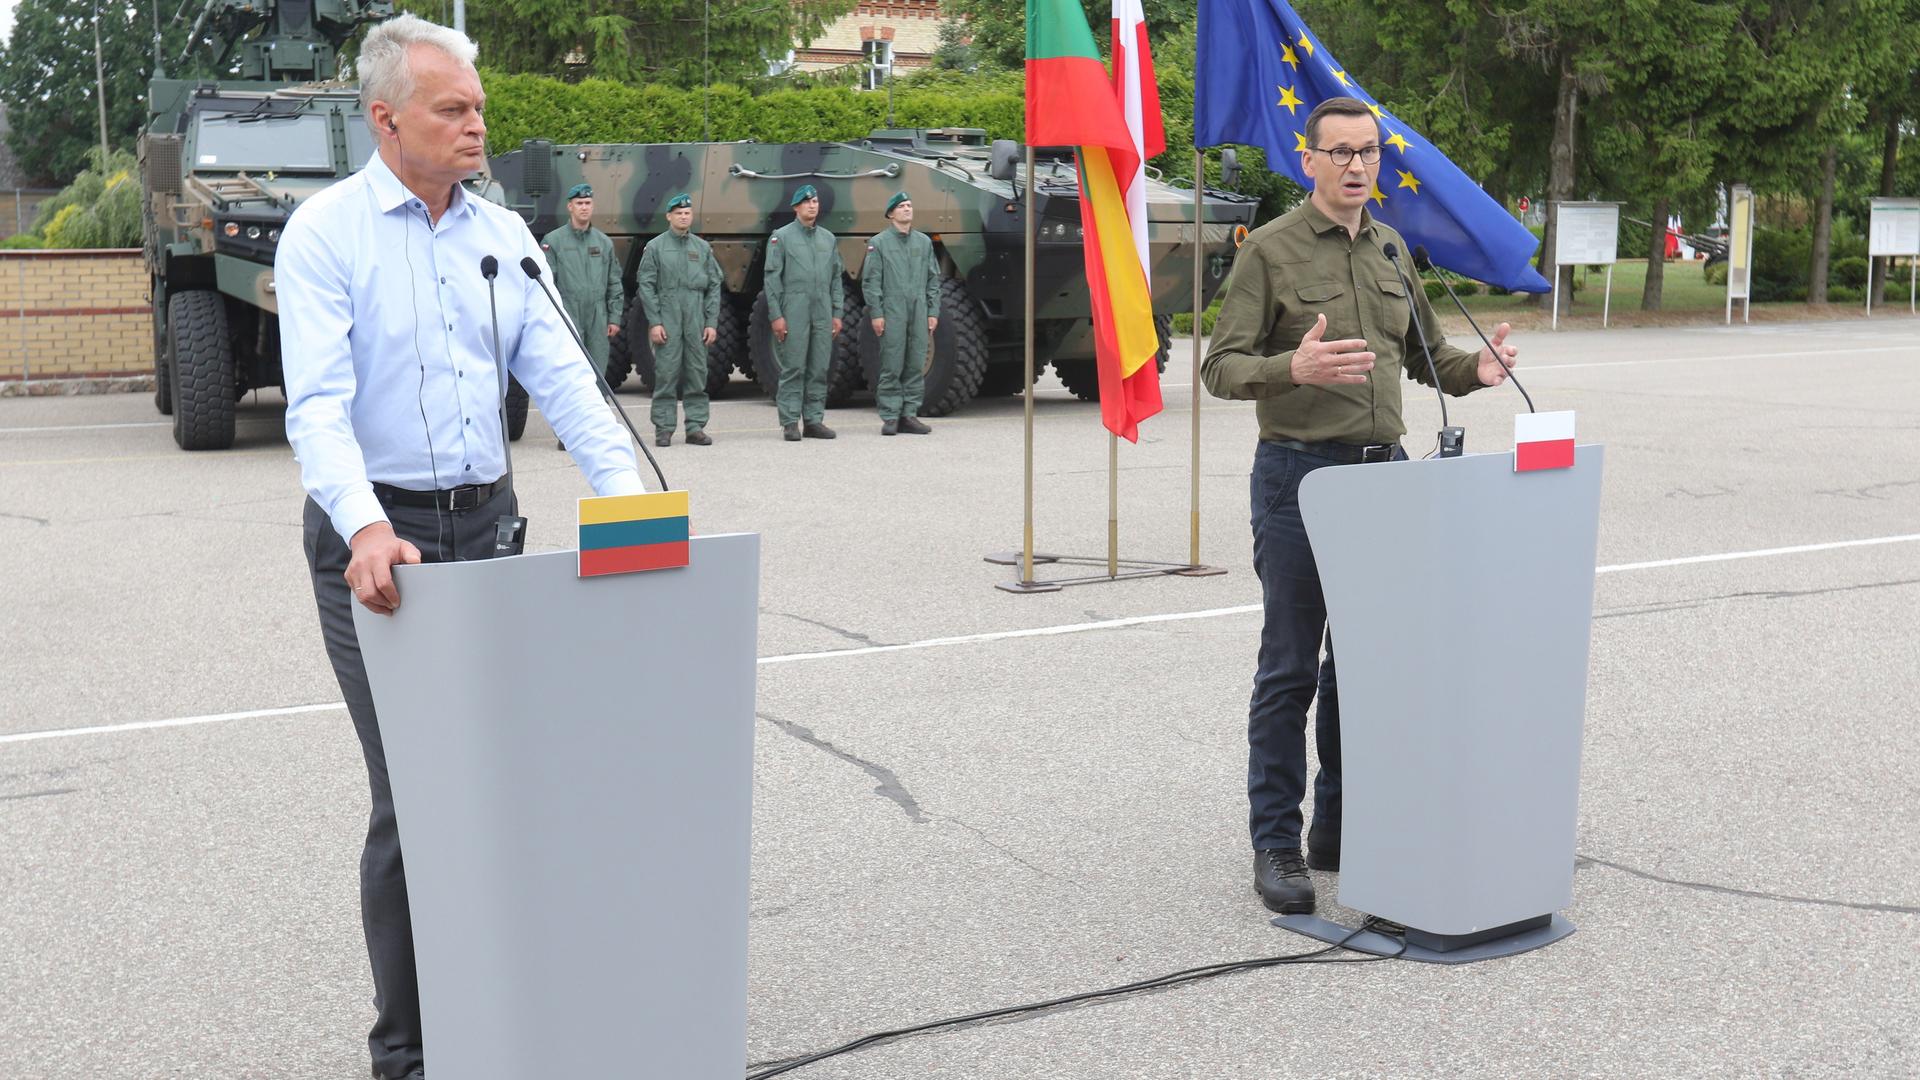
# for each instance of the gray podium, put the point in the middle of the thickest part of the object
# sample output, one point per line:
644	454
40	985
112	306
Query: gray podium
572	768
1460	599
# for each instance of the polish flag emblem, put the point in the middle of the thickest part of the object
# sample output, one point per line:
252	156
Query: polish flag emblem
1542	441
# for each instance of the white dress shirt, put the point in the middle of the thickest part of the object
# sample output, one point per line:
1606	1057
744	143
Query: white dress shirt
387	349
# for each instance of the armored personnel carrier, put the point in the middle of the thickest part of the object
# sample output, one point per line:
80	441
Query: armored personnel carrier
968	196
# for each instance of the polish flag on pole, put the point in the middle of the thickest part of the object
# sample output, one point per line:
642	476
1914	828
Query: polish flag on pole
1139	95
1542	441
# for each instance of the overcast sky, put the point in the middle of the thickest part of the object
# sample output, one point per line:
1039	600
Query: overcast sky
6	18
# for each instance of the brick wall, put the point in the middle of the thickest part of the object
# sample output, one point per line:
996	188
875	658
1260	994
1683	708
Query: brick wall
72	314
912	25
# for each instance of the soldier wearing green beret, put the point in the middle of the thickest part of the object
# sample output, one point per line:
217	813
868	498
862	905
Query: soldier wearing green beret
586	273
680	290
901	281
804	300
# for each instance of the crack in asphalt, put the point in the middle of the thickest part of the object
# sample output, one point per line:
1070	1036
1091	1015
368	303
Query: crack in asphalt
25	517
39	794
1760	594
889	786
848	634
1751	894
987	840
1871	491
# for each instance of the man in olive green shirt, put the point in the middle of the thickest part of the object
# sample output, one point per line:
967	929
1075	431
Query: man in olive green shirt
900	279
804	298
586	274
1315	329
679	288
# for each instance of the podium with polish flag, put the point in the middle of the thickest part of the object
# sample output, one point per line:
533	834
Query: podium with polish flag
1460	597
570	745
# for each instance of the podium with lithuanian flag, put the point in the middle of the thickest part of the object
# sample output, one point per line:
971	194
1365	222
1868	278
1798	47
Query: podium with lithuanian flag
570	744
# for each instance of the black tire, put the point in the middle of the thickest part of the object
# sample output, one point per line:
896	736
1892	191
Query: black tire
630	351
1003	378
845	374
730	342
516	409
766	363
162	361
1081	376
203	375
958	360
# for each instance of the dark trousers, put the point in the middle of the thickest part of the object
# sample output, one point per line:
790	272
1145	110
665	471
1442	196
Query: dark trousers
395	1038
1291	670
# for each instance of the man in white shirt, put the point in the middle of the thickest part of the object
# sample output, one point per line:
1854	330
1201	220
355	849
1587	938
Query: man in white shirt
393	406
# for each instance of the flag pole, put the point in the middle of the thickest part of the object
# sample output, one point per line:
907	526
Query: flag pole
1113	505
1199	322
1026	543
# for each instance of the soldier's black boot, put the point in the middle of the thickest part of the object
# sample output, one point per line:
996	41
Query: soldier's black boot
912	426
1280	877
697	437
889	427
793	433
1323	846
663	438
817	430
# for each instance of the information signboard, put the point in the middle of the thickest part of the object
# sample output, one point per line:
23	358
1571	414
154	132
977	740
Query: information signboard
1740	251
1894	230
1586	234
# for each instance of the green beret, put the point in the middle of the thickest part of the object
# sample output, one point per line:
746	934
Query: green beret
580	191
680	200
898	198
806	192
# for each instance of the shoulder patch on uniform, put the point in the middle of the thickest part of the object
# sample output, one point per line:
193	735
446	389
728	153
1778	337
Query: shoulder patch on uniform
774	240
546	247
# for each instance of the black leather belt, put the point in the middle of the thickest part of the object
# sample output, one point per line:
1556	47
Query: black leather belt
455	500
1344	453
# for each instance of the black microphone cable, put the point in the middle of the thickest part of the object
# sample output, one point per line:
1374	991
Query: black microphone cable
1208	971
1422	262
531	267
1452	439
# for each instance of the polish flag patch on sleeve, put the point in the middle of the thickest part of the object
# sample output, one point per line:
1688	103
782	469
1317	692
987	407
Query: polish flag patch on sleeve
1542	441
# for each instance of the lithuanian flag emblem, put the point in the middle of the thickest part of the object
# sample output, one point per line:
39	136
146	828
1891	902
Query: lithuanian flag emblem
620	534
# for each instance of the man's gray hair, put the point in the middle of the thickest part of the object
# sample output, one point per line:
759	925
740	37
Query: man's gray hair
386	75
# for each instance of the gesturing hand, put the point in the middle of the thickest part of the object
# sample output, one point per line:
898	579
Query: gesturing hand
369	574
1330	363
1491	371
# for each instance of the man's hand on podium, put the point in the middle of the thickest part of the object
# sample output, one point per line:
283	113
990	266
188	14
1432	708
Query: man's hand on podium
1491	371
370	572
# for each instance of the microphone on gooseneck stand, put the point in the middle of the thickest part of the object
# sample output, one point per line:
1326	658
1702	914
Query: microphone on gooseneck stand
531	267
510	532
1422	262
1453	440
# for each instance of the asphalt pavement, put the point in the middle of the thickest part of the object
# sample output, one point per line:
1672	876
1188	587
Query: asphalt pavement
999	813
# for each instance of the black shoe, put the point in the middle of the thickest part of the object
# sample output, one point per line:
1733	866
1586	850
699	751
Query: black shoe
1323	847
817	430
1280	877
889	427
560	445
663	438
912	426
696	437
793	433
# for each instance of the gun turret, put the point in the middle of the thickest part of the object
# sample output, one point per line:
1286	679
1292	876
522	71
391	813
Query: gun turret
299	40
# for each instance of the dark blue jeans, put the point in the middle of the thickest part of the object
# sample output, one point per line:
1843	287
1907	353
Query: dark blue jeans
1291	670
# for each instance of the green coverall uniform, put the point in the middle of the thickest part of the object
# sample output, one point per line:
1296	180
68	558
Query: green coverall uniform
803	287
901	281
588	279
680	289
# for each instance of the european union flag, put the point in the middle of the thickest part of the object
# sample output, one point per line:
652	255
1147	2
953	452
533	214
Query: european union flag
1258	75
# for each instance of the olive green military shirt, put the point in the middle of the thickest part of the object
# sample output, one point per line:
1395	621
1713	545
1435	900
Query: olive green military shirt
803	265
680	270
899	270
1291	270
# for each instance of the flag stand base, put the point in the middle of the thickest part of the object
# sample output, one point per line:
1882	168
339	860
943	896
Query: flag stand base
1130	569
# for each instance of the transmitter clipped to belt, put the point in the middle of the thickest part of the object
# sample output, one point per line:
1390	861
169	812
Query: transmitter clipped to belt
509	536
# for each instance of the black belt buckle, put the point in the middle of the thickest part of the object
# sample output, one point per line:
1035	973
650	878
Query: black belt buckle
462	499
1370	454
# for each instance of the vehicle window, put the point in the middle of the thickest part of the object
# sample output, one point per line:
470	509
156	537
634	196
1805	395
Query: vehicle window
284	143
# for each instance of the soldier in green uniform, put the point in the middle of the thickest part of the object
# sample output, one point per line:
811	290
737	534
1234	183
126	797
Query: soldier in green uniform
803	300
585	272
680	290
901	281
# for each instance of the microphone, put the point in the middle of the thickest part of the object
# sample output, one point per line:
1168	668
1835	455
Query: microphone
1422	262
510	531
531	267
1453	440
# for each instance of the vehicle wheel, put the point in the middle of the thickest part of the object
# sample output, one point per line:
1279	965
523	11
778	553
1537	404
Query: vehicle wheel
729	350
162	362
516	409
202	370
1004	374
1081	376
845	374
957	360
630	351
766	363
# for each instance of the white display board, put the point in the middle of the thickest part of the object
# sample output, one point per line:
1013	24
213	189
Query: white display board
1740	251
1894	228
1586	234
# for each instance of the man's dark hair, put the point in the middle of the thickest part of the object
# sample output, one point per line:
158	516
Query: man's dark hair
1337	106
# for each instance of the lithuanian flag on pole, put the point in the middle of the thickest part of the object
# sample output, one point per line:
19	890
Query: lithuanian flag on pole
1115	124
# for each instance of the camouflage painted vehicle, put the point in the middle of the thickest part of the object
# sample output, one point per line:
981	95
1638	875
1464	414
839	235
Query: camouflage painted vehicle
968	196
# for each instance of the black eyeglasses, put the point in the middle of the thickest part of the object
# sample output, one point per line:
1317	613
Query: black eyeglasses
1342	156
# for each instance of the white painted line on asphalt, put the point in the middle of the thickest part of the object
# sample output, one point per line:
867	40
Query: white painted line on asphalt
964	639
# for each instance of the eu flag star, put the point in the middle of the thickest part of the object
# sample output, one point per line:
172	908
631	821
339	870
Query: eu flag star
1305	44
1299	141
1342	76
1398	142
1288	99
1287	54
1408	180
1379	197
1375	110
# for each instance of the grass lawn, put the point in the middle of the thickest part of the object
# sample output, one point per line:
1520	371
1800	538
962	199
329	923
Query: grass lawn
1685	289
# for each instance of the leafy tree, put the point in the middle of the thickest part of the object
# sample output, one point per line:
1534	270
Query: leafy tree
999	27
99	209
